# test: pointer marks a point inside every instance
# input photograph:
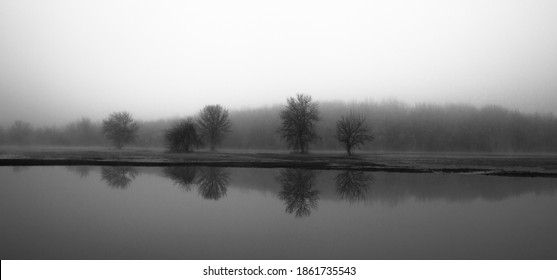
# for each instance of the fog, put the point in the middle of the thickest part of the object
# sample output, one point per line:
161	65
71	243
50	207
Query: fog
61	60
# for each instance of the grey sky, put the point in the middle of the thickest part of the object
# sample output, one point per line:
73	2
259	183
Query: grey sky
60	60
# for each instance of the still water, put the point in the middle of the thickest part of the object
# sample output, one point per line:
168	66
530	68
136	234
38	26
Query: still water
247	213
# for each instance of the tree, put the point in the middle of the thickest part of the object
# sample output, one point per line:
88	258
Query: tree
214	124
120	128
352	131
182	137
298	120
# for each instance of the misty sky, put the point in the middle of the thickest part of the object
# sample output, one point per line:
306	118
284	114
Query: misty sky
63	59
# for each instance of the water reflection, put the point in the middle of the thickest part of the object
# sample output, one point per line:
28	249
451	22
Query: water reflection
297	191
118	177
183	176
399	188
82	171
352	185
17	169
429	221
212	182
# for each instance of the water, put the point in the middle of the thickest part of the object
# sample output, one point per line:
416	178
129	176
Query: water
246	213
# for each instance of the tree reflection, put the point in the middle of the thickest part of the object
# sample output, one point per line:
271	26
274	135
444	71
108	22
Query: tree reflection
19	168
81	170
183	176
297	192
118	177
212	182
353	185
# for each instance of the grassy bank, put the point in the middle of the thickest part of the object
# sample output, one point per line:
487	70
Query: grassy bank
523	165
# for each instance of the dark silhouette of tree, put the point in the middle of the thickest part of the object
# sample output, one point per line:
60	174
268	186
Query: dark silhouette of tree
118	177
20	133
353	185
298	120
297	192
214	124
184	176
212	182
353	132
182	137
120	128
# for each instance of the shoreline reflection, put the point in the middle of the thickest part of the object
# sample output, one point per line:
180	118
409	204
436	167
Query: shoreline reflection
81	170
352	185
118	177
297	192
212	183
183	176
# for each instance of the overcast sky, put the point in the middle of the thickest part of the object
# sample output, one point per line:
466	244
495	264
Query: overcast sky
63	59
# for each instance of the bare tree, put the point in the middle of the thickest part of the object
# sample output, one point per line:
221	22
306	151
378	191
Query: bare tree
214	124
352	131
182	136
298	120
120	128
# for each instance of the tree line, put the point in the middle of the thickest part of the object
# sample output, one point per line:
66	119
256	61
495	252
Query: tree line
303	123
396	126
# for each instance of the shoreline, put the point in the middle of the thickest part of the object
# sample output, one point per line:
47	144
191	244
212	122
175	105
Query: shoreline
473	164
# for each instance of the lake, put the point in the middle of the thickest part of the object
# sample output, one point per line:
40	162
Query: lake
82	212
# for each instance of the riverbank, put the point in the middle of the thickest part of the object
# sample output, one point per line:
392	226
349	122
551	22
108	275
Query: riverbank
518	165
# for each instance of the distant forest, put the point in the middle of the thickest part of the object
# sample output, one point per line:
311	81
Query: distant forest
395	126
